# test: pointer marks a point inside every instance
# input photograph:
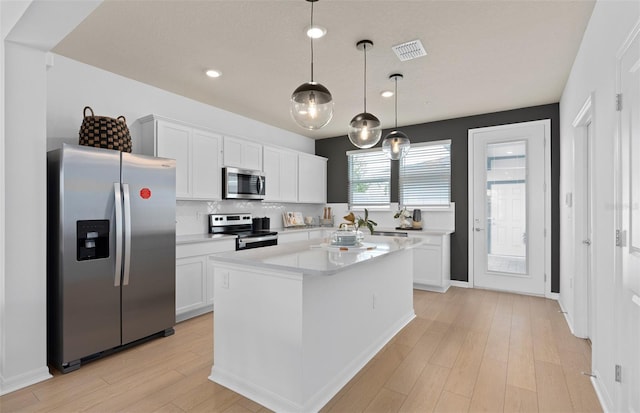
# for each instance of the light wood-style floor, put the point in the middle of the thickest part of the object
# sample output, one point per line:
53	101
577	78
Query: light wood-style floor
467	350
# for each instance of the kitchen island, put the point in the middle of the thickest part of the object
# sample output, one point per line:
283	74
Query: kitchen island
294	323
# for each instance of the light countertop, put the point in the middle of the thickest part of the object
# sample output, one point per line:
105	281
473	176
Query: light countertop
410	232
195	238
315	258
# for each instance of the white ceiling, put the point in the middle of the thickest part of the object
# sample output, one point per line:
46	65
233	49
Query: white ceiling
483	56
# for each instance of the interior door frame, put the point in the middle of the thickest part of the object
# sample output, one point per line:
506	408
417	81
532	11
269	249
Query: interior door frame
546	123
584	303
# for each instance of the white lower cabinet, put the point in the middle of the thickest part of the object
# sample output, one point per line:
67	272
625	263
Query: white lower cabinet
194	276
288	237
431	263
285	237
191	280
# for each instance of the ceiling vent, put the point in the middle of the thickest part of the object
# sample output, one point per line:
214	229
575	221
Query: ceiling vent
409	50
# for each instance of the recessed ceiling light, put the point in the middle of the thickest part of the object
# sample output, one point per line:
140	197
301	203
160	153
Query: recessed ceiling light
386	93
213	73
315	31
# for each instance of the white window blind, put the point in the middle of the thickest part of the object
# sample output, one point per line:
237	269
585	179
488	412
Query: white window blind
369	179
425	175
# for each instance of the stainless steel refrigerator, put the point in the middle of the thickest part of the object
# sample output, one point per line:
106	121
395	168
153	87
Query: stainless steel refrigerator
111	252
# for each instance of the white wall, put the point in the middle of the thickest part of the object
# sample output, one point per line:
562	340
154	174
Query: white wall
594	71
29	29
40	102
72	85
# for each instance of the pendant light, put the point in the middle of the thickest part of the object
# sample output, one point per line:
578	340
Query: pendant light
364	129
311	103
396	144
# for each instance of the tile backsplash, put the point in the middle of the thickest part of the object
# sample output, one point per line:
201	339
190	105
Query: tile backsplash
192	216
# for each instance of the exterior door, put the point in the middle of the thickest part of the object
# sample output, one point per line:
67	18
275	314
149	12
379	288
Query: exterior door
148	282
629	302
508	207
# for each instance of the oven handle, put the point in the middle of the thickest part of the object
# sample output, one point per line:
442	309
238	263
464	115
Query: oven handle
250	240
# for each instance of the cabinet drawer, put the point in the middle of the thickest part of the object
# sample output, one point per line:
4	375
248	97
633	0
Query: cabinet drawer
429	239
205	248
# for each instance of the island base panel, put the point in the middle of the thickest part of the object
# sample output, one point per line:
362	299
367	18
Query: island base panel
291	341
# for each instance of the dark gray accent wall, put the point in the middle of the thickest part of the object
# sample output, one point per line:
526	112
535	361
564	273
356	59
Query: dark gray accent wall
457	130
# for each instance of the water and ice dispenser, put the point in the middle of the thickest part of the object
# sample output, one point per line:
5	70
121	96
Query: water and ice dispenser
92	239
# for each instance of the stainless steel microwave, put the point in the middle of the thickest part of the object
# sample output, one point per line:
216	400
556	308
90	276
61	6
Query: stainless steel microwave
242	184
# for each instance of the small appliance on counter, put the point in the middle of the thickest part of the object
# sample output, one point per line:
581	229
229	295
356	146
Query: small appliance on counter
246	228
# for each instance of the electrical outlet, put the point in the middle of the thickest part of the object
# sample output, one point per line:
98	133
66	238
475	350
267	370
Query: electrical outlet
225	280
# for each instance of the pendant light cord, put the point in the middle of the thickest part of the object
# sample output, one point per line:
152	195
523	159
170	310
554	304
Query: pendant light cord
396	95
365	78
311	42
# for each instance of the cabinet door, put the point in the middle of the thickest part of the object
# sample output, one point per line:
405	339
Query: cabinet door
190	284
232	152
271	168
288	176
286	238
312	179
173	142
210	283
206	169
242	154
252	156
427	265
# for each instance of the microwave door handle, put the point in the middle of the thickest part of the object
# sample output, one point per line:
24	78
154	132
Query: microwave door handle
118	206
260	184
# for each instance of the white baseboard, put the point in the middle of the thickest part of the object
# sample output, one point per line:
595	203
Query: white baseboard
461	284
23	380
603	395
567	317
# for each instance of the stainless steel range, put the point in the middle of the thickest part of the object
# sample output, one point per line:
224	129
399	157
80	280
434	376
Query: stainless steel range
249	234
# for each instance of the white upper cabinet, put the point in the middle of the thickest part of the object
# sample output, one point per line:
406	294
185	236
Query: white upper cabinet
281	171
206	153
312	179
197	153
243	154
172	141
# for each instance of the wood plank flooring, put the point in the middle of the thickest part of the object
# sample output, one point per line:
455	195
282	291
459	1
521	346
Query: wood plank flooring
467	351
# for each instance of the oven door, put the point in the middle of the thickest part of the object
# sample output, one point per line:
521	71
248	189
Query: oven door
256	241
242	184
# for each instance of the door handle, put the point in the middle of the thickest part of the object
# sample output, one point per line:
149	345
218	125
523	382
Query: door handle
118	206
587	242
478	229
127	233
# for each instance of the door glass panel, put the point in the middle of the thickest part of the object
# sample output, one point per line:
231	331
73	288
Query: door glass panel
506	212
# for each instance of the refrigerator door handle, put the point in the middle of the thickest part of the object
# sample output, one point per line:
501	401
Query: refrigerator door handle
127	233
118	206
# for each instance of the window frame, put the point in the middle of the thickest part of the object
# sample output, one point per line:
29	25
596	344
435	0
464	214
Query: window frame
361	206
438	207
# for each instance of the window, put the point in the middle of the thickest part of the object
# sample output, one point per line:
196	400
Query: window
369	179
425	175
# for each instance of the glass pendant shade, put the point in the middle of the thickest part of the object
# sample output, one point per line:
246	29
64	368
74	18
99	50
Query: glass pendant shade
365	130
396	145
311	105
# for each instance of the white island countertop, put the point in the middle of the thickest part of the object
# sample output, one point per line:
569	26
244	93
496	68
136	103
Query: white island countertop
314	257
